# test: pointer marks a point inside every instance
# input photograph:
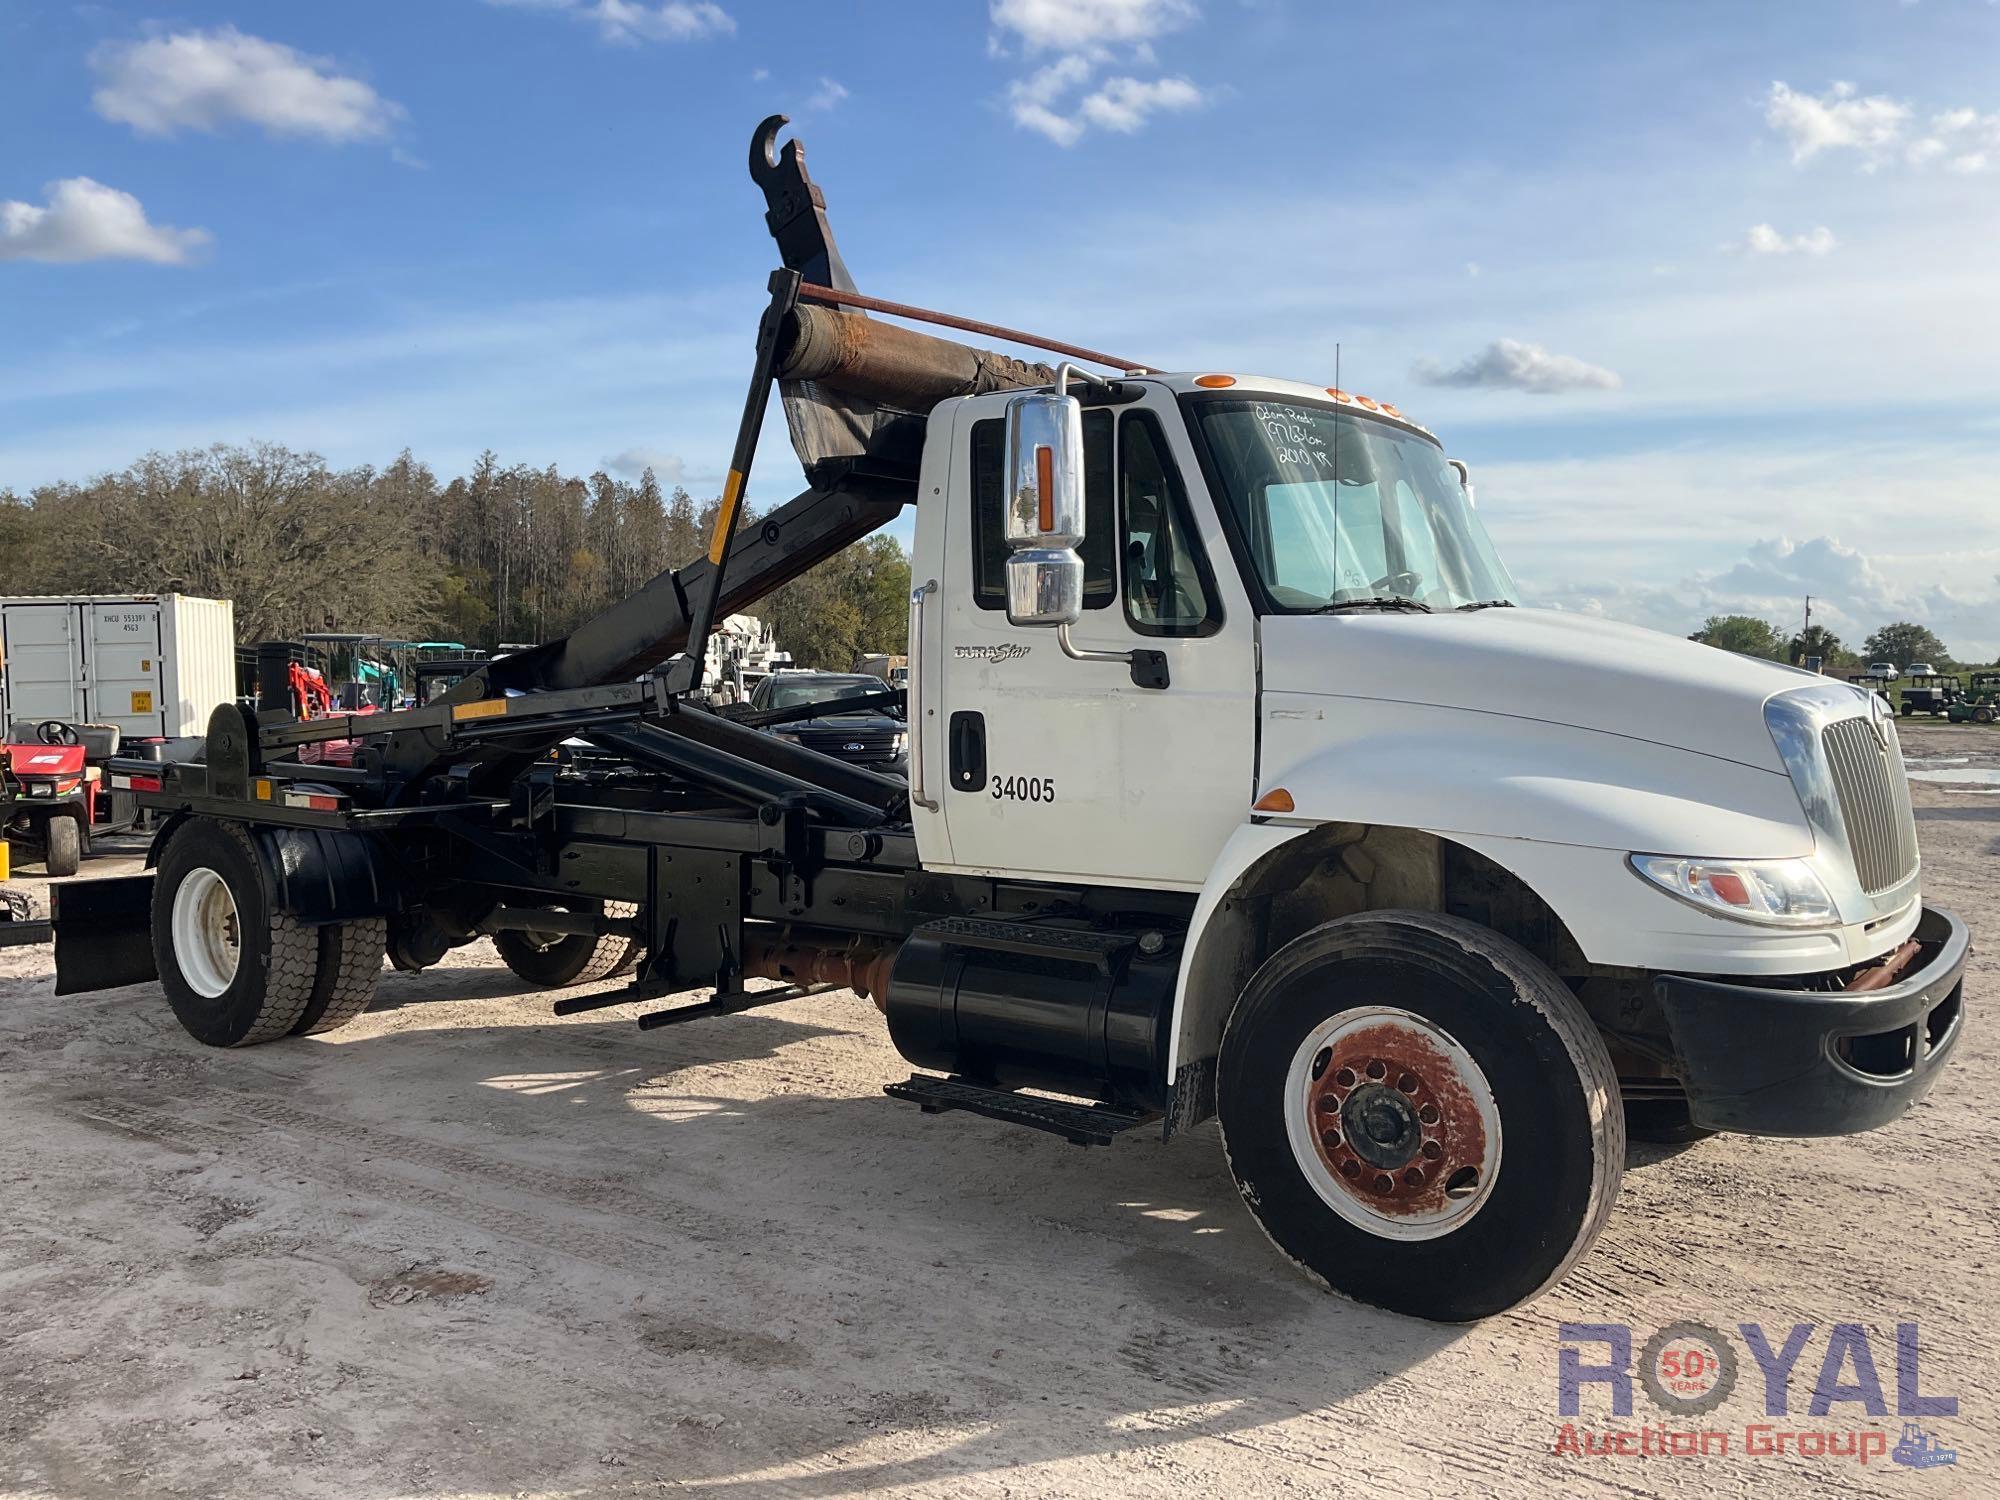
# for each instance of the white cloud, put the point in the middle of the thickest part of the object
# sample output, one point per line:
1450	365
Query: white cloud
628	21
1839	120
1853	595
668	468
1967	138
86	220
1510	365
1053	101
1879	130
1764	240
1088	26
1033	98
827	96
1122	104
205	80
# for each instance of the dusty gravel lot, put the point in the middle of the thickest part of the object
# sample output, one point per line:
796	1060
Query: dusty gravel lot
463	1249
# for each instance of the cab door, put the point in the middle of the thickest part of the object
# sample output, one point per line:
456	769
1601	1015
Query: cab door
1069	770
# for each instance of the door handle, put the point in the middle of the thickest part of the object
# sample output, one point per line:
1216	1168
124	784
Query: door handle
968	751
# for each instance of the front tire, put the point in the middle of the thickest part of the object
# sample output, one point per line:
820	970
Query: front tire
64	846
1420	1114
236	971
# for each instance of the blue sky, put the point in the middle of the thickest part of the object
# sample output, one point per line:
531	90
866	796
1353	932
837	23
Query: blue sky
1704	292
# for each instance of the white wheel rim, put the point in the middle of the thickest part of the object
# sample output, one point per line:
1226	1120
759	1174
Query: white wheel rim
208	935
1393	1123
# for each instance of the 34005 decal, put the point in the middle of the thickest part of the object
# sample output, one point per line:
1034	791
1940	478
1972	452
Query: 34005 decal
1023	788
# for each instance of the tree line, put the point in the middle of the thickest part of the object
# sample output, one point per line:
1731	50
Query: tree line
1899	643
501	554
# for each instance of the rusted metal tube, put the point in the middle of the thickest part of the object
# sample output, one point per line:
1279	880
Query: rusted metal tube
891	365
811	293
805	955
1886	972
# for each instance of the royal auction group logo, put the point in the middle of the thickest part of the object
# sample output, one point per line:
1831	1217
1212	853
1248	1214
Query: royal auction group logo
1688	1370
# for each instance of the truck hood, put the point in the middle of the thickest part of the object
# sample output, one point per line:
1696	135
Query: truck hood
1538	664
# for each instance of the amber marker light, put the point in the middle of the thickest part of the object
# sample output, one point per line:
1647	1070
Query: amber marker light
1045	481
1215	382
1277	800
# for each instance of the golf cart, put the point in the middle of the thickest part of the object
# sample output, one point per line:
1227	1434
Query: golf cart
1928	693
53	792
1980	703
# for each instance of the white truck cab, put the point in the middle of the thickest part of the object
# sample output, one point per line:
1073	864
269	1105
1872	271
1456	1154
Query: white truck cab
1248	638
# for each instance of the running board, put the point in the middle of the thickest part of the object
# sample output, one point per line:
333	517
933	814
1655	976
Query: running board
1078	1123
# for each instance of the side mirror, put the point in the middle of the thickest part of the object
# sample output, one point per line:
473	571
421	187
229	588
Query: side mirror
1044	509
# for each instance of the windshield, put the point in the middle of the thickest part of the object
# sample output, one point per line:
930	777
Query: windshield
797	694
1339	509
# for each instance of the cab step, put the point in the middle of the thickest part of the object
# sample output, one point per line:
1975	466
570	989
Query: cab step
1101	950
1078	1123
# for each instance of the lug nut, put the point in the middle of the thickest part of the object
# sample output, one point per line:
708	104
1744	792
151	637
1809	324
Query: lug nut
1378	1069
1414	1177
1432	1150
1406	1083
1329	1138
1345	1078
1350	1168
1384	1182
1428	1114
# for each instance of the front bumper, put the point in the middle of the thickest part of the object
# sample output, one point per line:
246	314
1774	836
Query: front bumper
1766	1061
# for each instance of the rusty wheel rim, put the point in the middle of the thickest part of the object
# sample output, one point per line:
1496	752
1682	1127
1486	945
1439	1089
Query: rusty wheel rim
1393	1123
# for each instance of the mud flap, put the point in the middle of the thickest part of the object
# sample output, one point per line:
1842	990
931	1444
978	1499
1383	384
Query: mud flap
104	935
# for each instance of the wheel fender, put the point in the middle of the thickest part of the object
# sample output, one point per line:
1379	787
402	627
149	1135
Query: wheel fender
316	874
327	874
1205	981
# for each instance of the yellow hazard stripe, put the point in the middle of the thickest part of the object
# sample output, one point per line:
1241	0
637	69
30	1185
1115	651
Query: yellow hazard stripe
485	708
732	495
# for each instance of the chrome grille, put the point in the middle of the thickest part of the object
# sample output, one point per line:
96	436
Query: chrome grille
1874	798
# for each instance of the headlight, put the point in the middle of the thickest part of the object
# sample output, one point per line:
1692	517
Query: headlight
901	742
38	788
1784	892
785	734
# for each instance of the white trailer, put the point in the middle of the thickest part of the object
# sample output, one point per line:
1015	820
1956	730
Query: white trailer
152	664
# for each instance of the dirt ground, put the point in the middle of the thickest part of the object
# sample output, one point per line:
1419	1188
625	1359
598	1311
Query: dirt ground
463	1249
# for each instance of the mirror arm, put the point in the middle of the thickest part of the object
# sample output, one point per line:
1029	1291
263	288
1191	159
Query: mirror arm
1149	668
1066	371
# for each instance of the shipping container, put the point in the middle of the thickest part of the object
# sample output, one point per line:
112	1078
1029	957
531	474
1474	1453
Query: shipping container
152	664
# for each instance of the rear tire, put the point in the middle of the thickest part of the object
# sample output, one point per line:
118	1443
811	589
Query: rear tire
1371	1075
635	949
1982	716
552	961
236	971
350	966
64	845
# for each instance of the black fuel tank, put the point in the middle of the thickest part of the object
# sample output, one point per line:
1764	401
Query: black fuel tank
1027	1005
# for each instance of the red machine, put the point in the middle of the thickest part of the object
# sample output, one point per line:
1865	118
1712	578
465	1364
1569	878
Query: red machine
53	791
